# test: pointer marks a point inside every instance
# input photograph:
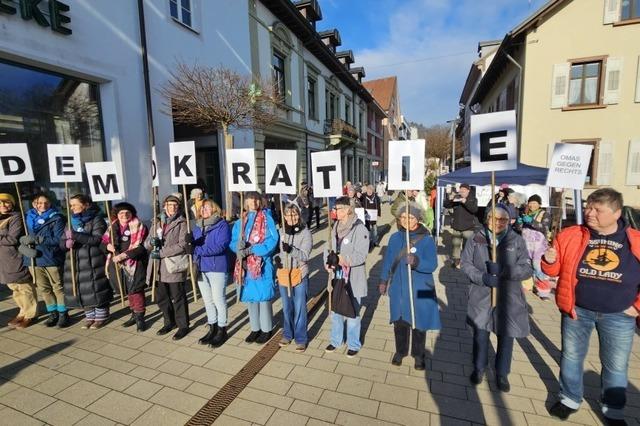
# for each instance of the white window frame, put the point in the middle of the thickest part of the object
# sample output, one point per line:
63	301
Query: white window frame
180	18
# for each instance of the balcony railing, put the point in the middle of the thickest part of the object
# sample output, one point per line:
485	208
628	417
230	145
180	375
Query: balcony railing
340	127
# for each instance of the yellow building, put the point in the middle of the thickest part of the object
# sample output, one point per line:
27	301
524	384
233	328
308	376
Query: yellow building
572	73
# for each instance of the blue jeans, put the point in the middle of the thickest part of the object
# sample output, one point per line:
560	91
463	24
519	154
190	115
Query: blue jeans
212	286
353	328
260	316
294	312
615	335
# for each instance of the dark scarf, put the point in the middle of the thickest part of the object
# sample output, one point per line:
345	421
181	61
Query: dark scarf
78	221
293	229
209	222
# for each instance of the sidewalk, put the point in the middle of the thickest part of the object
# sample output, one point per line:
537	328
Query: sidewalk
116	376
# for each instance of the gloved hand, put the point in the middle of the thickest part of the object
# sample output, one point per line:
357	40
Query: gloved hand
156	242
28	251
155	254
68	233
382	287
242	244
28	240
188	249
332	259
493	268
527	219
245	252
69	243
286	248
411	260
490	280
188	238
278	262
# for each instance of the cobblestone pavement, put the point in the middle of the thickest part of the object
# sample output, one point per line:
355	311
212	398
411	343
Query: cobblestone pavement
117	376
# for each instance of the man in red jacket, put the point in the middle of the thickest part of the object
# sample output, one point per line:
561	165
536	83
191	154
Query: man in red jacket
598	266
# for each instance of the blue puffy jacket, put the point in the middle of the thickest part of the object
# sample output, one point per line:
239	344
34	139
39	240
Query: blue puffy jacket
210	246
49	227
260	289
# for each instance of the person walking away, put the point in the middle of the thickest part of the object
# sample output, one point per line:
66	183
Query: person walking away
348	261
94	293
293	275
170	244
372	207
45	226
464	221
211	237
597	265
128	257
254	239
13	272
381	191
510	318
423	259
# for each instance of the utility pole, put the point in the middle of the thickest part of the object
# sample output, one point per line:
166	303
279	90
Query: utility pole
453	143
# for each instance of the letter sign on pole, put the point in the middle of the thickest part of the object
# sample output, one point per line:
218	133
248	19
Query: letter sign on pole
241	166
155	180
64	163
569	166
15	164
493	142
280	171
104	182
182	157
326	173
406	164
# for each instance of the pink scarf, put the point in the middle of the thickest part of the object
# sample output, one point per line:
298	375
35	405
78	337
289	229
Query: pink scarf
256	236
137	235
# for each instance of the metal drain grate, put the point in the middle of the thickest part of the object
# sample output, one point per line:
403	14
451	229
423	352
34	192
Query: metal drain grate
221	400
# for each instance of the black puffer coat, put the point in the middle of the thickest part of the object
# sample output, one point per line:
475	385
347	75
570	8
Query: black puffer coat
93	286
131	283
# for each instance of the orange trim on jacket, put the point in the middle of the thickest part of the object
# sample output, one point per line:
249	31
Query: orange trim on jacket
571	244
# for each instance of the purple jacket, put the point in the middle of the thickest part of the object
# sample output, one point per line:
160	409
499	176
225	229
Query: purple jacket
210	246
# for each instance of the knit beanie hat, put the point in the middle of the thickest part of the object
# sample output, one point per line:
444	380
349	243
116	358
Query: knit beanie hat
414	210
536	198
8	198
172	199
125	206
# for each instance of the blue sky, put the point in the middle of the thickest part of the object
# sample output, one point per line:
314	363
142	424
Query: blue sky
428	44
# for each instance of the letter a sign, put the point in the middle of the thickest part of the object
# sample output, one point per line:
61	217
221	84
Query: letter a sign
493	142
104	181
183	163
406	164
280	171
15	164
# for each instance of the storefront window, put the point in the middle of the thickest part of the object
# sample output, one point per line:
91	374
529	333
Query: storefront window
40	108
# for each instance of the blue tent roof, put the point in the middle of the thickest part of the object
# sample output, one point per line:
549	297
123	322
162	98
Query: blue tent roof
523	175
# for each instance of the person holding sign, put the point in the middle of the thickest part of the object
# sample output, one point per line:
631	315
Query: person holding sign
371	203
94	294
45	226
423	260
597	265
254	239
169	244
351	241
464	221
509	319
211	237
293	276
13	272
127	256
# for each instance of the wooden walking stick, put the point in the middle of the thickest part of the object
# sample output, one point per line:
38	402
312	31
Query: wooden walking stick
116	266
330	240
71	256
494	251
413	313
32	268
242	225
281	243
191	271
154	226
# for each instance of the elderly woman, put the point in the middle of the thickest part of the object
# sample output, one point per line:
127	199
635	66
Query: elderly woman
13	273
254	239
94	294
293	275
423	260
196	198
211	237
350	243
127	256
510	318
169	243
45	227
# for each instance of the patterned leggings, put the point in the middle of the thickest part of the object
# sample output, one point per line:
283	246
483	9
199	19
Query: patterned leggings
97	314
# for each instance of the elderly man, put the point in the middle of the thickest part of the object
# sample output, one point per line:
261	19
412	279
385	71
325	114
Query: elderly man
598	266
464	206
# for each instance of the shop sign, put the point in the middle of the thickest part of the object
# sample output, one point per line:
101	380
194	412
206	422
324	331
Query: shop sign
30	9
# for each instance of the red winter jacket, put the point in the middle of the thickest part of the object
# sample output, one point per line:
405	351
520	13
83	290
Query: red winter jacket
571	244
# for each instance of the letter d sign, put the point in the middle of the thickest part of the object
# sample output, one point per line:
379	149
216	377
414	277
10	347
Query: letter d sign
15	164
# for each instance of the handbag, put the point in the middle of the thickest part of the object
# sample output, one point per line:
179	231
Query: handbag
341	298
289	276
176	264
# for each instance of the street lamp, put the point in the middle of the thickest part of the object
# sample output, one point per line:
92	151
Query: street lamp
453	122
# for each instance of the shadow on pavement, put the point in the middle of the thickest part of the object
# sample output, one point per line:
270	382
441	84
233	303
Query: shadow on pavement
11	370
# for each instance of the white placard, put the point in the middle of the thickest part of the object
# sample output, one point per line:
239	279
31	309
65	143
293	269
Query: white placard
406	165
494	145
182	157
326	174
280	171
155	180
360	214
569	166
104	181
64	163
15	164
373	214
483	193
241	169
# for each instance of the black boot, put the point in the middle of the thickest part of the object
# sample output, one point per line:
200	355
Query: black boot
53	319
219	338
141	324
206	339
63	320
131	321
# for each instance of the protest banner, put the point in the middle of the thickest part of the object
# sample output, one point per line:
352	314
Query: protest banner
569	166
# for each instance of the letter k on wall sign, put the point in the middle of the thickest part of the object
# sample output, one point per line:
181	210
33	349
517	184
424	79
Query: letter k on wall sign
183	163
494	145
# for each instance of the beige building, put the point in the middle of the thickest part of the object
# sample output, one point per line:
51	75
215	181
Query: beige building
572	73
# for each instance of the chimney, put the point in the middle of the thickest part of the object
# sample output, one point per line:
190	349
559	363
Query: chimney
358	73
310	9
331	38
345	57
